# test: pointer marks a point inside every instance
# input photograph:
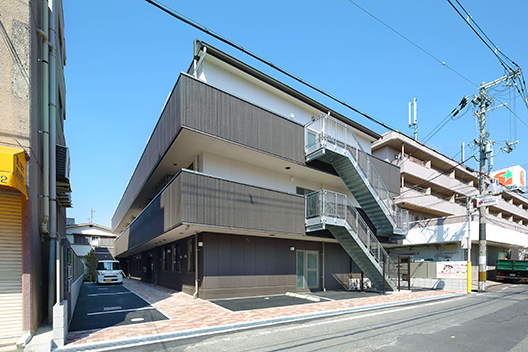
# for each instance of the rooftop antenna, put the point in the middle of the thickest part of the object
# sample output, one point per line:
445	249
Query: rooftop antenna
414	123
91	215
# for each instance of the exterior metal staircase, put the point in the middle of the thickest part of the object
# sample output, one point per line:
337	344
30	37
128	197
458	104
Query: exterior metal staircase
335	212
334	142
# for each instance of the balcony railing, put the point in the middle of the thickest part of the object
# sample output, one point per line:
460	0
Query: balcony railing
327	132
336	208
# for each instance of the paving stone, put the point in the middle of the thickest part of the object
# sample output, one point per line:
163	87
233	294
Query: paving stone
186	313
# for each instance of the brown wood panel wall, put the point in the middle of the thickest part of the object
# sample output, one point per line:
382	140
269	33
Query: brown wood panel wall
196	105
200	199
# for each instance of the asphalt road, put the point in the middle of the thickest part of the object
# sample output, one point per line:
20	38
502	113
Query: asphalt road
101	306
494	321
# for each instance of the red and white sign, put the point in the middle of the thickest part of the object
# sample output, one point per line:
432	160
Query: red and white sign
512	178
487	201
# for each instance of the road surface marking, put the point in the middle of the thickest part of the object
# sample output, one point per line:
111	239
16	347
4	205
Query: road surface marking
120	311
108	294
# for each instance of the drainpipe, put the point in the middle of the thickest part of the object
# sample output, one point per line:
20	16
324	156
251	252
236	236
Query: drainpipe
52	144
195	295
45	118
324	282
46	155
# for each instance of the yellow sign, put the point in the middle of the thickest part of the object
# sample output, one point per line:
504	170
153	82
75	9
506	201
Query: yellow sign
13	168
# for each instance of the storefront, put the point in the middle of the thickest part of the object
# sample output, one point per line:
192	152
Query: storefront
12	194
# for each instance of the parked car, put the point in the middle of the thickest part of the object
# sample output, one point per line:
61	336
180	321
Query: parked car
109	271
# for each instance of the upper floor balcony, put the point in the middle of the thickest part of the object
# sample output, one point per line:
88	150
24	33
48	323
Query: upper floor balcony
193	202
419	174
200	117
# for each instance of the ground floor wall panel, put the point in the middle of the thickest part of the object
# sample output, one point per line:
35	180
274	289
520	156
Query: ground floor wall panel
239	266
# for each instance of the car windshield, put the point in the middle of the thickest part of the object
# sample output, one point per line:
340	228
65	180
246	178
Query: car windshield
108	266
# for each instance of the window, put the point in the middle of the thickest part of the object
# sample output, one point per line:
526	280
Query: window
176	257
166	259
108	265
190	255
303	191
94	240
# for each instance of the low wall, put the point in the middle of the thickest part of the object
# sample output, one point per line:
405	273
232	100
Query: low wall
439	284
75	289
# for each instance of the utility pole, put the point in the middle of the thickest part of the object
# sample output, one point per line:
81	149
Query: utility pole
482	102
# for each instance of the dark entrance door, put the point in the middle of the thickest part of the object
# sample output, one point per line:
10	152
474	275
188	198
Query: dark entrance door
150	267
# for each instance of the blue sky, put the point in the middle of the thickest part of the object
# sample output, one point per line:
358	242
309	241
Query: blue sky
124	56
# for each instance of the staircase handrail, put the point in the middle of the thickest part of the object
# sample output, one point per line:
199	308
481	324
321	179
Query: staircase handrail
342	208
323	135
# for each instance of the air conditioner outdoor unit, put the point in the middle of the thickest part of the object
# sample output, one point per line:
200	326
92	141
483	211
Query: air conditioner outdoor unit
63	161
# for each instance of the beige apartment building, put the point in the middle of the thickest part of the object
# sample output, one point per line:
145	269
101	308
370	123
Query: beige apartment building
435	189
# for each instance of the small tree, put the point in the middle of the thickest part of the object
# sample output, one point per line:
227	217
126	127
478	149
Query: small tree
90	260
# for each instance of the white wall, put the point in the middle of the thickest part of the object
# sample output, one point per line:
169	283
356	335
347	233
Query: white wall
495	232
437	242
242	85
220	166
87	230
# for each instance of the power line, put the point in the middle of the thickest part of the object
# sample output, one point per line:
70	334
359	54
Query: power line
225	40
413	43
521	78
521	86
495	50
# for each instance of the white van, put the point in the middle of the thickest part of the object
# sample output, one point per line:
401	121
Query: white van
109	272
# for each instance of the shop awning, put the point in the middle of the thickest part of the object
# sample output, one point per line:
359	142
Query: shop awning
13	168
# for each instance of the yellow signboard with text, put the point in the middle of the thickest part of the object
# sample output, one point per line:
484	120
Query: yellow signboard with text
13	168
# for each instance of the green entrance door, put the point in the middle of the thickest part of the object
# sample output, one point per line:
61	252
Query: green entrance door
307	269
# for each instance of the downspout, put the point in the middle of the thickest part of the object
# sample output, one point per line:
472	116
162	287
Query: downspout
45	119
324	281
46	155
195	295
52	144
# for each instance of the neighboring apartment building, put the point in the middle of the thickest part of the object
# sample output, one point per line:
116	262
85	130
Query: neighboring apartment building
248	187
32	201
434	189
84	237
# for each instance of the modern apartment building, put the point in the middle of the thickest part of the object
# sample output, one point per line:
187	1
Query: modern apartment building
34	168
248	187
435	189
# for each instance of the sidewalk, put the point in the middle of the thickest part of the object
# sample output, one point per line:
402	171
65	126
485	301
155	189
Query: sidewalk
190	316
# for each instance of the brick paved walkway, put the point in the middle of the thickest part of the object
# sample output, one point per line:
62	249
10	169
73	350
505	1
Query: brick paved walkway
186	313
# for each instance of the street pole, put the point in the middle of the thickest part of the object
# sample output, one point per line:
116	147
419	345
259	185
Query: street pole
483	140
483	101
469	201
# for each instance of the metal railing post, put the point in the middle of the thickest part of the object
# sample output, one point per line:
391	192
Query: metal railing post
409	273
384	277
399	264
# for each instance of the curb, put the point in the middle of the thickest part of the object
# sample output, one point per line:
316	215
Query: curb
123	343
